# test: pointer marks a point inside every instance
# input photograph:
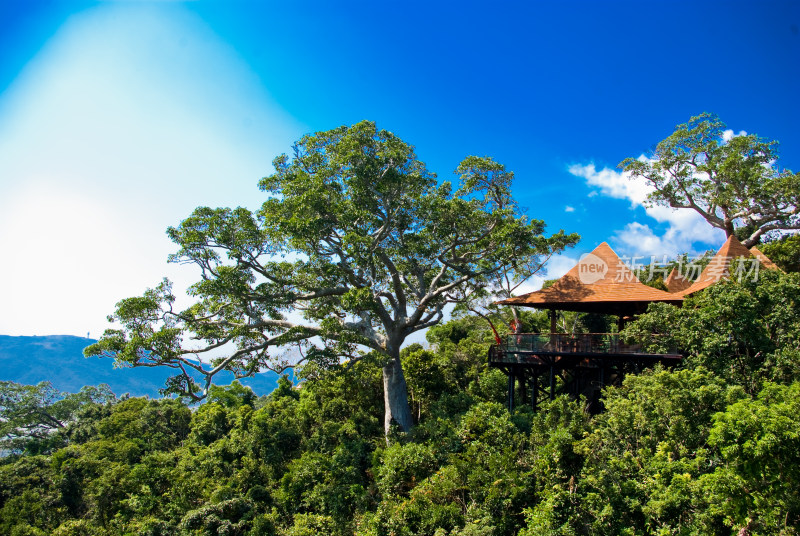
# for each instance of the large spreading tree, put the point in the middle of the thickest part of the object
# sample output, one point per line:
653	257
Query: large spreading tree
734	182
356	247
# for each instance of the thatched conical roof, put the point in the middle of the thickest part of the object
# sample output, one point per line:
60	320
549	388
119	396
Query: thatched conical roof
732	251
599	283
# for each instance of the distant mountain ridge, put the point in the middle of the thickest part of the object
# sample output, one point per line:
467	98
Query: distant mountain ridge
59	359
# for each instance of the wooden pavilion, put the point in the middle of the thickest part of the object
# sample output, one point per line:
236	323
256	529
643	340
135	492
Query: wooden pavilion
582	364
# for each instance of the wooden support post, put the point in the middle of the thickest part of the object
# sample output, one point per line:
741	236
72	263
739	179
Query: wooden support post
535	390
552	382
511	378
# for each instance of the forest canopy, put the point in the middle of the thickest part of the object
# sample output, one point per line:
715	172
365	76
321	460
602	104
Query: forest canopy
709	448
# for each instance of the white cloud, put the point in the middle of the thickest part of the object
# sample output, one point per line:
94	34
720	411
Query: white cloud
728	135
613	183
684	226
569	209
641	240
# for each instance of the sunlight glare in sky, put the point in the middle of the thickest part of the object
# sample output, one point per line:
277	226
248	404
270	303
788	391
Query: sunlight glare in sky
126	120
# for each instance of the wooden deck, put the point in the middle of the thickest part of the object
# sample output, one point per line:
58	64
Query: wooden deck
525	347
579	365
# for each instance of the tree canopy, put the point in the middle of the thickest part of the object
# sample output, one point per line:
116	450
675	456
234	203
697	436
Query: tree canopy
733	181
356	247
746	332
674	452
784	251
34	417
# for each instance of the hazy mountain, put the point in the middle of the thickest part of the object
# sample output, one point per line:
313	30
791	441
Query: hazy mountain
59	359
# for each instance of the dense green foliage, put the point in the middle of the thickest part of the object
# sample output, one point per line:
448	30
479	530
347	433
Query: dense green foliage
784	251
35	417
746	333
358	246
710	448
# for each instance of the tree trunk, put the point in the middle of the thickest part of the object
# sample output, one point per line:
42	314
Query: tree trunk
395	396
729	229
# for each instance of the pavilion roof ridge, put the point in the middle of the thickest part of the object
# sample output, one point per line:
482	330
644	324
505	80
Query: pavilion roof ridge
603	256
764	260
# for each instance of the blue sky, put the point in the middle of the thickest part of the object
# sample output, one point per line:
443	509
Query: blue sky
118	118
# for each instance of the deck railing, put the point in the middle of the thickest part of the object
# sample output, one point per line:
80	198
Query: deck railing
568	343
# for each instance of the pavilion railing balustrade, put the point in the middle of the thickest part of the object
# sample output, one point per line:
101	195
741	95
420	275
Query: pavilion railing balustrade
569	343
